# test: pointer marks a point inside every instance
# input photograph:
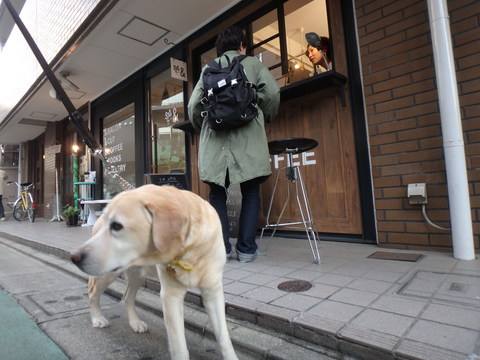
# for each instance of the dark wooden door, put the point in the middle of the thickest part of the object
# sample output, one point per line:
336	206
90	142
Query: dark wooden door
329	170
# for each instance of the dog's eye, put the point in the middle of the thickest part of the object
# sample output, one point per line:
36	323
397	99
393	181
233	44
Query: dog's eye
115	226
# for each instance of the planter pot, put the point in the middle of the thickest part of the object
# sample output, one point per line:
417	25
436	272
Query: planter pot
72	220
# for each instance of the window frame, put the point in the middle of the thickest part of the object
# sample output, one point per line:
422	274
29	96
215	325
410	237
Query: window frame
246	24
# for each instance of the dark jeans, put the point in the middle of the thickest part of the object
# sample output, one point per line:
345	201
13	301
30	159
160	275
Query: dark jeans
247	228
2	210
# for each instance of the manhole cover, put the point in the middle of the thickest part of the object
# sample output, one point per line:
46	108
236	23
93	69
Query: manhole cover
294	286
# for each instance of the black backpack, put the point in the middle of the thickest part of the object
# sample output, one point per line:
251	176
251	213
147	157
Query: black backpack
229	98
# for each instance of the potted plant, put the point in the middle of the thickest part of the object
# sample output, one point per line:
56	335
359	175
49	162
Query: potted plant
70	215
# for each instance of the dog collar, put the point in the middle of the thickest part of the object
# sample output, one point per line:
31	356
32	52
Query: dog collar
181	264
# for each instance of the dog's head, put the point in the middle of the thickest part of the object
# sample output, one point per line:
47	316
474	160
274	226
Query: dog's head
138	227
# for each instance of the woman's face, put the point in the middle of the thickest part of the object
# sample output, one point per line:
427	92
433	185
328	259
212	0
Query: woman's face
314	55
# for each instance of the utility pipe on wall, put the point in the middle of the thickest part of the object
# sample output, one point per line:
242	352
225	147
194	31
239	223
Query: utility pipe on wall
456	168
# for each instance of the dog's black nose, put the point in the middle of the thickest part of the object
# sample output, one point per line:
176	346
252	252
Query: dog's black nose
76	257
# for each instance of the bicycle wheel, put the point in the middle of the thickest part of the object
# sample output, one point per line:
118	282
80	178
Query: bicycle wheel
31	211
19	212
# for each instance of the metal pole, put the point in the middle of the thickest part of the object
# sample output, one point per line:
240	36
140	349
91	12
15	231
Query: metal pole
458	194
75	180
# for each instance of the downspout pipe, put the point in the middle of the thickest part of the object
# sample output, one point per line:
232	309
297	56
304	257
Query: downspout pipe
454	149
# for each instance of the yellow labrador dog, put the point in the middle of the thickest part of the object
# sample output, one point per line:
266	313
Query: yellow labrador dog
181	234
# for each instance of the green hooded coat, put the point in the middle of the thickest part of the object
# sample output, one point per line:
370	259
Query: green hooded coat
242	151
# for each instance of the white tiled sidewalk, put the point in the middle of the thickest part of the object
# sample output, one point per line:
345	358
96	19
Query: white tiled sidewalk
368	308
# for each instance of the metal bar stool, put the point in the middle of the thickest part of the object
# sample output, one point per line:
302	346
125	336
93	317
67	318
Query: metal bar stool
290	147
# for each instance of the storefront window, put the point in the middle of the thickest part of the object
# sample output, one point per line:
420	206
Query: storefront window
266	42
119	145
166	110
281	45
302	17
9	155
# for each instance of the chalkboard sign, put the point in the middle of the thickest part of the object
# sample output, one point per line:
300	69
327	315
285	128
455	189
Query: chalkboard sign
177	180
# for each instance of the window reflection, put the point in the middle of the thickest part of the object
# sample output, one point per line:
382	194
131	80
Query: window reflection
9	155
166	110
302	17
119	147
283	49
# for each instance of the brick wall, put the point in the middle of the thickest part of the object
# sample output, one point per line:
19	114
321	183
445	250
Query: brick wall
403	115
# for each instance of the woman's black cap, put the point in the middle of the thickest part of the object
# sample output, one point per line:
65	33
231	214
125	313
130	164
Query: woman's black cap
313	39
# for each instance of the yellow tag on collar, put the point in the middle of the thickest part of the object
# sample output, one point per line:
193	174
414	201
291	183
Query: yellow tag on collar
181	264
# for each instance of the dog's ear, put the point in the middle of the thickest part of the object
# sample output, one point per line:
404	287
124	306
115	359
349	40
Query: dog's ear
97	225
169	223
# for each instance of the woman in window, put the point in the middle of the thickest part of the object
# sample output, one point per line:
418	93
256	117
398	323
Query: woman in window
318	51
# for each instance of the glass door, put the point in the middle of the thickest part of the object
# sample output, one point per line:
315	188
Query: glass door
167	110
119	147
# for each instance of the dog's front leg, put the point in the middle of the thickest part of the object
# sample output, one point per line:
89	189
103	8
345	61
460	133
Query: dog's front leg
96	287
214	302
173	294
135	281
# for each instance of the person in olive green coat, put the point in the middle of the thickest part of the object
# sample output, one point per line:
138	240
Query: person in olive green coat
239	155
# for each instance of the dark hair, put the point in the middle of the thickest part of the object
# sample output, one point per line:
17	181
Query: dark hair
325	46
230	39
320	43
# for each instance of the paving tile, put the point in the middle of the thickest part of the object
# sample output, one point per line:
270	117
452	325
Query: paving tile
389	276
296	264
296	301
384	322
349	271
335	310
242	302
453	288
369	337
336	280
445	336
321	291
354	297
263	294
370	285
277	270
259	279
237	274
399	305
411	349
237	288
453	315
440	262
304	275
278	312
256	266
469	265
319	323
395	266
331	261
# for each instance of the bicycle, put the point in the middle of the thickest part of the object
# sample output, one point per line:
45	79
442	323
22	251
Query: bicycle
24	206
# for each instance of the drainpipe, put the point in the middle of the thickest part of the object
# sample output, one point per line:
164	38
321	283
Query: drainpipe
456	168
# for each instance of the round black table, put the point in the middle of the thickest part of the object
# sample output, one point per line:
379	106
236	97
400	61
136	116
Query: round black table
291	145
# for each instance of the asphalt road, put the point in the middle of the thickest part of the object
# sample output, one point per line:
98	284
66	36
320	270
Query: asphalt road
44	314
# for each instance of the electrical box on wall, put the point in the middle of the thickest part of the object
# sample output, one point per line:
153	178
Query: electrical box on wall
417	193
